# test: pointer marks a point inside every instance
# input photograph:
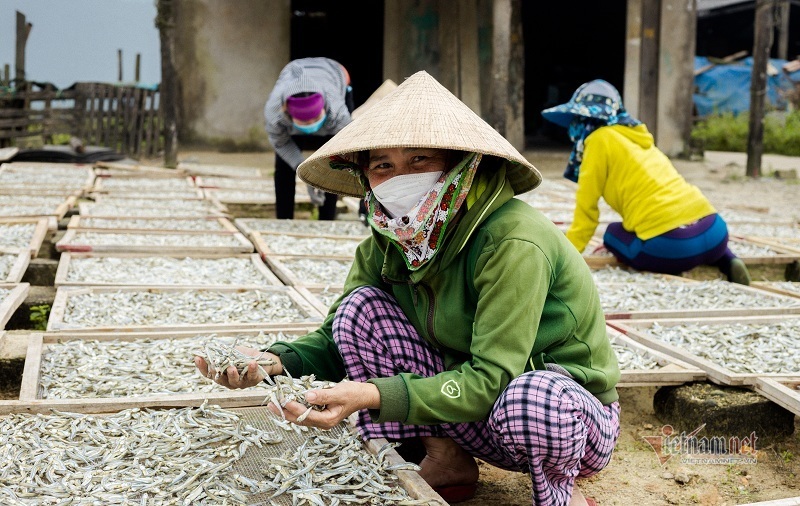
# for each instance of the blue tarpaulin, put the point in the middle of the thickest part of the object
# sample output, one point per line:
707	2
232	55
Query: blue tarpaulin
726	87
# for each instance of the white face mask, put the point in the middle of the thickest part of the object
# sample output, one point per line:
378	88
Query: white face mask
401	194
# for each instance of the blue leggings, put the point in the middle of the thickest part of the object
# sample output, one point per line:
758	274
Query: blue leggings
676	251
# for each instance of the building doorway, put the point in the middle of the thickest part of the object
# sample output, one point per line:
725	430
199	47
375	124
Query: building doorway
567	44
329	29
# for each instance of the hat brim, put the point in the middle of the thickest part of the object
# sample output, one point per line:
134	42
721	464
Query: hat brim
563	114
418	113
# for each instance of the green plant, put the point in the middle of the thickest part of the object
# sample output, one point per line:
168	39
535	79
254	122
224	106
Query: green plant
39	316
787	456
728	132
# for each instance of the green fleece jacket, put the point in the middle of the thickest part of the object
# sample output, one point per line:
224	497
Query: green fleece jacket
507	294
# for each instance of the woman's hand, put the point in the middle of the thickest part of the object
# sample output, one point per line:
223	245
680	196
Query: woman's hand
340	402
252	374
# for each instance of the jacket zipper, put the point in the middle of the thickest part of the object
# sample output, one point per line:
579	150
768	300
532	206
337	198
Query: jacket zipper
429	318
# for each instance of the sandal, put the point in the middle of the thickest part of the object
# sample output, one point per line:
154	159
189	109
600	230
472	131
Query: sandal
457	493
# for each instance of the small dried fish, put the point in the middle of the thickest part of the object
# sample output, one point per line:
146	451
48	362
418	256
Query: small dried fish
155	224
70	369
16	235
145	239
297	245
160	270
756	348
310	227
671	295
137	456
317	270
188	306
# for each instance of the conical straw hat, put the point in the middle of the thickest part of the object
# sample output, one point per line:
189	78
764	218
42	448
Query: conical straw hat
383	90
418	113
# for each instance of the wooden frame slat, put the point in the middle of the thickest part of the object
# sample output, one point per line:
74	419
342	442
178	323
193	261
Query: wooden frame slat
62	272
768	286
41	227
19	266
12	301
778	393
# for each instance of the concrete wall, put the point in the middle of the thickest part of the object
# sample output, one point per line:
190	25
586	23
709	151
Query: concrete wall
229	55
676	75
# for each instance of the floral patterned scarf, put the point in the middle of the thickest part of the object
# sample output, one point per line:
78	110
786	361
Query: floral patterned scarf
419	234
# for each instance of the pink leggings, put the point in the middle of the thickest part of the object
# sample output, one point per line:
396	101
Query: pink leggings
543	423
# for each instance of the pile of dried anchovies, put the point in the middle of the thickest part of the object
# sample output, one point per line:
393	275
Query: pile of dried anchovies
70	369
27	209
618	275
3	294
6	262
286	389
330	470
293	245
143	307
665	295
199	224
328	296
160	270
789	286
749	229
137	456
141	183
318	271
756	348
633	360
16	236
220	356
748	249
145	239
148	207
268	225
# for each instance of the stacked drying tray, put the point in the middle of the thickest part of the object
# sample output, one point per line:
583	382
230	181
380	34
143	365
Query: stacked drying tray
314	257
121	337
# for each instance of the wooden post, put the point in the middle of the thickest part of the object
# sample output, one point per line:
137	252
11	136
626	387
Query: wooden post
138	67
648	84
119	65
764	22
6	74
23	31
165	22
784	7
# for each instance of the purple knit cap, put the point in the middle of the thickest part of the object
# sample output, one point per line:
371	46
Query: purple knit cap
305	108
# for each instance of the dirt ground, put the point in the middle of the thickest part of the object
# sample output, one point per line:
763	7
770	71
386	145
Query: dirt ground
635	475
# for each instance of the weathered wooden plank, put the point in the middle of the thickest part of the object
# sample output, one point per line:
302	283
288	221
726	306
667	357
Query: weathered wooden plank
12	300
18	266
32	370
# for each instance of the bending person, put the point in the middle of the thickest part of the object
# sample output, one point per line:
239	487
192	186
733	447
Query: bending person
310	102
668	226
468	322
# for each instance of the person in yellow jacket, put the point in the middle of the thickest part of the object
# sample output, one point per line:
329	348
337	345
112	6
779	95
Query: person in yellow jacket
668	225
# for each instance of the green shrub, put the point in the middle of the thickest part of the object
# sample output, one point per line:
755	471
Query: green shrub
39	316
727	132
